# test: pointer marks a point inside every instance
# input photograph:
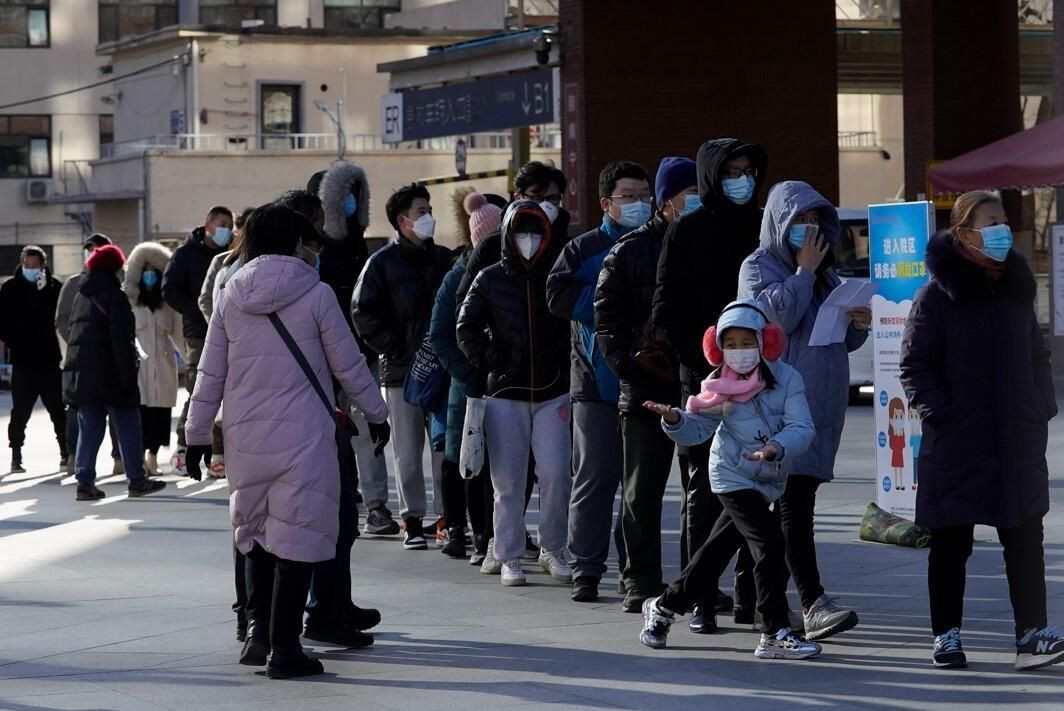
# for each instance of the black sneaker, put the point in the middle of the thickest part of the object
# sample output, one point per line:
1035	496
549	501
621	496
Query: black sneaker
948	652
633	600
16	461
291	662
1039	648
414	536
145	486
363	618
455	547
585	589
702	621
338	634
531	549
379	522
89	493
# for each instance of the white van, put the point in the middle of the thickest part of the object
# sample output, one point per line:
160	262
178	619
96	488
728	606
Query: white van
851	262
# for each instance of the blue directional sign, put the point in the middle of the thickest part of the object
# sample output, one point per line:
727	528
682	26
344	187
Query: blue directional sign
522	99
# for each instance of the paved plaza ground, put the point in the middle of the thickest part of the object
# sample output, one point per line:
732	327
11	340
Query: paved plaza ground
125	605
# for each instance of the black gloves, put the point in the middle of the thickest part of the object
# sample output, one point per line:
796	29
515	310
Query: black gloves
379	435
193	455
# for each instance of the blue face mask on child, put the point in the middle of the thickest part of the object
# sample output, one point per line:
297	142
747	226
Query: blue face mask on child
796	235
149	278
997	241
350	205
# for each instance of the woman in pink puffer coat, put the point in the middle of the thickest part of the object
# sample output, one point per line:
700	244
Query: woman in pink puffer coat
281	457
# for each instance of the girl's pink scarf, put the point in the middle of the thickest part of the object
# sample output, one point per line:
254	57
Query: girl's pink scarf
729	386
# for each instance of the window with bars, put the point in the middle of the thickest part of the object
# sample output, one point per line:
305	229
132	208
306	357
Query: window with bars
128	18
24	23
358	14
230	13
25	146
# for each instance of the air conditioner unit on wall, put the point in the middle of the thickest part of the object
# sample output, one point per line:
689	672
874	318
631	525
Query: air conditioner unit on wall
38	189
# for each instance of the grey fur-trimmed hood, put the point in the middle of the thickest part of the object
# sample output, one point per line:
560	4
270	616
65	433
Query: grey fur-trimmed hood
145	254
334	187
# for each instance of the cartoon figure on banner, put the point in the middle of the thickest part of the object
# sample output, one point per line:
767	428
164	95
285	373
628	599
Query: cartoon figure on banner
916	434
896	439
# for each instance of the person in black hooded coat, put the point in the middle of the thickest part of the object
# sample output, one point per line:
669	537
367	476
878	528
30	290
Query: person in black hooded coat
976	369
698	275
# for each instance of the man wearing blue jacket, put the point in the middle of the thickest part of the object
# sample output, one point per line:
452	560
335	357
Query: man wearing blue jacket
625	197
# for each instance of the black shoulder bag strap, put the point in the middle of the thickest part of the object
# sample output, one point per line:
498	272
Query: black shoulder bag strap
302	360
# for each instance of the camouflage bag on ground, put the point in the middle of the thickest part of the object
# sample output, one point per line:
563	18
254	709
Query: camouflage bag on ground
879	526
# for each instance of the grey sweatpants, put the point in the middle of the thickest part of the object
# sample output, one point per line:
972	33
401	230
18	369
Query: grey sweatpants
512	429
598	462
372	470
409	435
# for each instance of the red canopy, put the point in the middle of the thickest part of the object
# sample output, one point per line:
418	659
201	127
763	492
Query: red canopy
1028	159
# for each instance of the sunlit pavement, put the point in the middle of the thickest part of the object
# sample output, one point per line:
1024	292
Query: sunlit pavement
125	604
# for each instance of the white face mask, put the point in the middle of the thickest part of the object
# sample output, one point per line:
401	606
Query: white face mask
527	243
550	210
86	253
742	360
424	227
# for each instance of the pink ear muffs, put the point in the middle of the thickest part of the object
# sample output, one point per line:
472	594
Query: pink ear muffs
773	343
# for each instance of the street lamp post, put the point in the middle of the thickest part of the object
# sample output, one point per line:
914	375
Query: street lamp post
341	136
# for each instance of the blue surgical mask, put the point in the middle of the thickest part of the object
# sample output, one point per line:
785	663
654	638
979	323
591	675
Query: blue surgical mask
739	190
221	236
997	241
796	236
690	204
634	214
31	275
350	205
149	278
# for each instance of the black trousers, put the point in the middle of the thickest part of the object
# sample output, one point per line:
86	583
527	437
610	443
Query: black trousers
330	589
155	427
27	384
647	464
1024	568
240	607
277	590
796	508
454	495
480	501
747	519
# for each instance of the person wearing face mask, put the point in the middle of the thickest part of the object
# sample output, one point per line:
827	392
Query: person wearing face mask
754	408
26	302
625	197
975	367
791	273
697	275
182	284
647	371
221	268
507	332
62	328
391	310
159	333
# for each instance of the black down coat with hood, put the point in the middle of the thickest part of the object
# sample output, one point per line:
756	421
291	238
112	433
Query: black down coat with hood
505	327
698	271
183	281
975	367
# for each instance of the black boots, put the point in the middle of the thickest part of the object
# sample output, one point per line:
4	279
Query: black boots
291	662
257	645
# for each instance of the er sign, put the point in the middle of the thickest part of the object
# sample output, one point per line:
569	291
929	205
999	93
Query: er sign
523	99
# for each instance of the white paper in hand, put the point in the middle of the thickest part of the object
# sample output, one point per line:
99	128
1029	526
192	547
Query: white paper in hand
833	318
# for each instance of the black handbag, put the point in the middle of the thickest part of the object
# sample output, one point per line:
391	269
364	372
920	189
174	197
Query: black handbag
345	428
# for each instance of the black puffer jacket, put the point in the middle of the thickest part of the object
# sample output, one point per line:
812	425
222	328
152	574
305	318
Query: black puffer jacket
101	364
183	281
698	271
623	300
392	303
976	368
504	326
26	317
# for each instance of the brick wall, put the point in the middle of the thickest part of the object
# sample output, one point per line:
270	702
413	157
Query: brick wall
646	79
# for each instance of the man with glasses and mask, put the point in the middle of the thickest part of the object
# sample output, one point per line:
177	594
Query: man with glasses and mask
625	199
698	275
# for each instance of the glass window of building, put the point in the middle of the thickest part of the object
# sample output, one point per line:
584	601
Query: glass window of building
230	13
107	129
25	146
357	14
128	18
24	23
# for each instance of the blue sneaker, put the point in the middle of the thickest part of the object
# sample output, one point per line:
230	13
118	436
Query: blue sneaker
656	624
1039	648
948	652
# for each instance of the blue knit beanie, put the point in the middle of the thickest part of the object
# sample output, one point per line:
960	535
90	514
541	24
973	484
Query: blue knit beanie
674	174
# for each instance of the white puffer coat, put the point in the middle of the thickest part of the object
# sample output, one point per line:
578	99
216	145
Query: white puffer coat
158	330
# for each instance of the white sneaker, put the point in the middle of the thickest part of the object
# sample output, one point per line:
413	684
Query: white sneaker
785	645
512	573
553	562
490	566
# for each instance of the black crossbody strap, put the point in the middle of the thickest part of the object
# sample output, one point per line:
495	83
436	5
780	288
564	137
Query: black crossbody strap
302	360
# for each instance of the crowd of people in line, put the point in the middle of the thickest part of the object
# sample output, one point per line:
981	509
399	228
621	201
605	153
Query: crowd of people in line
580	365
